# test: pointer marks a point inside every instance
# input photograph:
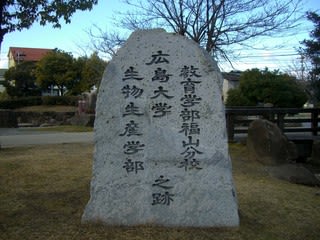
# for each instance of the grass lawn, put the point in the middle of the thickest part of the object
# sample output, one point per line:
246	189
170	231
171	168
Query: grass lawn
48	108
44	189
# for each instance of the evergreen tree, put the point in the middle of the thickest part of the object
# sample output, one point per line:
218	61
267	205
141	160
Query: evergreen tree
312	52
20	80
56	68
258	87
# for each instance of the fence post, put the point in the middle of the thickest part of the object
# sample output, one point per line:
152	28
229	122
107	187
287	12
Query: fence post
314	122
230	126
280	121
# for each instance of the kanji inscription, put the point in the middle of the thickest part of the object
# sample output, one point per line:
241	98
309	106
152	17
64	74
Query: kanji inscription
161	153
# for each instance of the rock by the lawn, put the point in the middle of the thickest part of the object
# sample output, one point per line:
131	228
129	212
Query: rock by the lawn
86	120
161	153
268	145
294	173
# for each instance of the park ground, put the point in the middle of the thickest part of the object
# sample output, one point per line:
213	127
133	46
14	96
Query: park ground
44	189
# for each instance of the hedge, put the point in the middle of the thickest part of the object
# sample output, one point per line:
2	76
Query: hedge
63	100
35	101
20	102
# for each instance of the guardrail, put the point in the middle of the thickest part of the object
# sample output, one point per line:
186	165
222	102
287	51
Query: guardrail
294	120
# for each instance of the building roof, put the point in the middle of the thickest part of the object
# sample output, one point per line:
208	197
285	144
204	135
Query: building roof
27	54
232	76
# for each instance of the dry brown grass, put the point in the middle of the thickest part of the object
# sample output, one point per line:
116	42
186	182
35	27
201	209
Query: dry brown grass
64	128
43	191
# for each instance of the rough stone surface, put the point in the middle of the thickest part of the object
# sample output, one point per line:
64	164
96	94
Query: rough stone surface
294	173
43	118
86	120
8	119
268	145
161	153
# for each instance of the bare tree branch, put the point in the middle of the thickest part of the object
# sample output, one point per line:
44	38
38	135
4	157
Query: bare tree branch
215	24
105	42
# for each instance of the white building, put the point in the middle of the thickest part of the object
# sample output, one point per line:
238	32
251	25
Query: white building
230	80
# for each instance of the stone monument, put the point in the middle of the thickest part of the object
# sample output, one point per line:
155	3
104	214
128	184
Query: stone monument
161	153
268	145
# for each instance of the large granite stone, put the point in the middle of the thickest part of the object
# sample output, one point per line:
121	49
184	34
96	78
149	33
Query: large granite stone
161	154
268	145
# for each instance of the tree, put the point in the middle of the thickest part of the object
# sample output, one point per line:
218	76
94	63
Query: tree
87	73
76	86
59	68
21	14
56	69
263	86
312	52
298	68
93	70
20	80
214	25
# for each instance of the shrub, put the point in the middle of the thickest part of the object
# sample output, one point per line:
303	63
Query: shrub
4	96
60	100
263	86
35	101
237	99
20	102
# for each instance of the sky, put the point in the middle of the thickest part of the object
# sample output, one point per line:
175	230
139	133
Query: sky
74	38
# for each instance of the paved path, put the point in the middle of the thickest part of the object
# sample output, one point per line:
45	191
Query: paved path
16	137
